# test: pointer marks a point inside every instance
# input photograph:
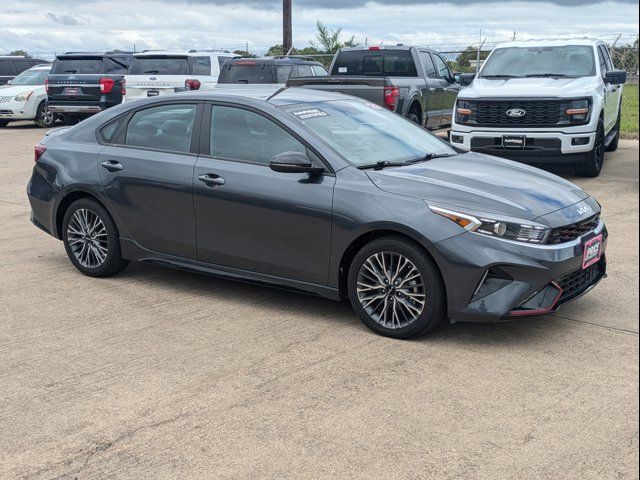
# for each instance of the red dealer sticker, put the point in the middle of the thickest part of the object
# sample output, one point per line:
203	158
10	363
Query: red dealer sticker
592	251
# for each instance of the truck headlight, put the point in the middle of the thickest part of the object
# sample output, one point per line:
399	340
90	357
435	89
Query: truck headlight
509	229
23	96
579	111
464	110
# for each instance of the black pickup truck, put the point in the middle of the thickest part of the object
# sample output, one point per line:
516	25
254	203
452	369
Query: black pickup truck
412	81
82	84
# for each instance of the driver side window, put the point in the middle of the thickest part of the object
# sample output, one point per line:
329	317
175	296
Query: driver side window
443	70
242	135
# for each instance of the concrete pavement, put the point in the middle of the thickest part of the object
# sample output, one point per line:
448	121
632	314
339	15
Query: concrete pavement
157	373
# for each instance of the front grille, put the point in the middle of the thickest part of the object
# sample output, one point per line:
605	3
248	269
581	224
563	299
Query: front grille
537	113
6	112
573	231
577	282
5	99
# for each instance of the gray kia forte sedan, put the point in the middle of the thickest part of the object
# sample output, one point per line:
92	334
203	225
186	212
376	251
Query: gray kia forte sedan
322	193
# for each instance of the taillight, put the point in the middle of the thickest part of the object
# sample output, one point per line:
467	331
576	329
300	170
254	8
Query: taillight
391	95
192	84
124	87
46	85
39	150
106	85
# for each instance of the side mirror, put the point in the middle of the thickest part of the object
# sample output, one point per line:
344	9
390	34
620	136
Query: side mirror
9	82
293	162
466	79
615	77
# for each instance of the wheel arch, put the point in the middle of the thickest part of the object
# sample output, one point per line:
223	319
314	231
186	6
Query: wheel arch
375	233
66	202
415	105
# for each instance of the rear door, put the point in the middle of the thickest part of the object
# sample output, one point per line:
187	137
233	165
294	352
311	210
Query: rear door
75	79
146	170
155	75
250	217
449	88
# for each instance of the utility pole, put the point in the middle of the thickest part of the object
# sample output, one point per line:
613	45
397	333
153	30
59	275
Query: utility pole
480	45
287	40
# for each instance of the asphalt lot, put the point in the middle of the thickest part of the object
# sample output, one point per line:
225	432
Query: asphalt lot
157	373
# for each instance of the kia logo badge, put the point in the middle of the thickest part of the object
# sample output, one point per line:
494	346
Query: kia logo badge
516	113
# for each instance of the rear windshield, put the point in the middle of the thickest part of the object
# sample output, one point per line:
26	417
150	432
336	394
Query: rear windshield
388	63
81	65
248	72
159	65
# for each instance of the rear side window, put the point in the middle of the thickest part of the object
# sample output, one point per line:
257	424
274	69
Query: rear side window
283	73
159	65
388	63
6	68
201	65
109	133
319	71
166	127
303	71
86	65
246	136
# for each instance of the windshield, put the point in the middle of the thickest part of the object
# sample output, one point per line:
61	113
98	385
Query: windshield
159	65
366	134
31	77
90	65
564	61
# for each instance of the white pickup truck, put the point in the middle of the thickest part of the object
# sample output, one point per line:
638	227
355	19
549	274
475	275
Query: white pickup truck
543	102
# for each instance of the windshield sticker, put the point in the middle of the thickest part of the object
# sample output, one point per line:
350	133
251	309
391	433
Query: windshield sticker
310	113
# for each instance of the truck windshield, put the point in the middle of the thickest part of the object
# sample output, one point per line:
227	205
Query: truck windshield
159	65
77	65
522	62
388	63
364	133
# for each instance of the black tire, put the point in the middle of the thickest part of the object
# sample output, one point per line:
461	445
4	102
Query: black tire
4	123
593	166
434	309
613	146
414	118
44	118
110	240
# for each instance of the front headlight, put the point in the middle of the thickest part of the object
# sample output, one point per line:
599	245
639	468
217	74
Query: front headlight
494	227
23	96
579	110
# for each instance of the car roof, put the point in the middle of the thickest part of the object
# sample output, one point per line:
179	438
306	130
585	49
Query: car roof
115	53
399	46
278	61
186	53
551	42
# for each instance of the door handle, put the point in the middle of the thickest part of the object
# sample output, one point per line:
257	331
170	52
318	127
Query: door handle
112	166
211	180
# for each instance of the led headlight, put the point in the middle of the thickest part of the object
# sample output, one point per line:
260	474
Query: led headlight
579	110
23	96
499	228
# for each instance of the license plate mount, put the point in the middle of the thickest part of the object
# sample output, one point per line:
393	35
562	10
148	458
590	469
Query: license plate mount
514	141
153	93
71	91
592	251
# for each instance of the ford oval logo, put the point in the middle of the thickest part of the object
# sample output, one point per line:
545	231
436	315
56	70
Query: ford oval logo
516	113
152	78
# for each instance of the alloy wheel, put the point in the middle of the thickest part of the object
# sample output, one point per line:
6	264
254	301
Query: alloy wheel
46	117
599	149
87	238
391	290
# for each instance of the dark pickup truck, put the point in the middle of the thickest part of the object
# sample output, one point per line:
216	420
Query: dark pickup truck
412	81
82	84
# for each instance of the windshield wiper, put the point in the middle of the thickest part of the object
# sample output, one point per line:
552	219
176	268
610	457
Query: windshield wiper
381	164
544	75
429	156
152	72
501	76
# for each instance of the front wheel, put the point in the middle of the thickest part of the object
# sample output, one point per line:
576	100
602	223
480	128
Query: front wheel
593	166
45	118
91	239
396	289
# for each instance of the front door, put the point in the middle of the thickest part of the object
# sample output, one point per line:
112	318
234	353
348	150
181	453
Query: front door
148	177
450	90
252	218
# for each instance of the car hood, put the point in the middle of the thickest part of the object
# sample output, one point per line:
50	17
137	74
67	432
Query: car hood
475	182
13	90
530	88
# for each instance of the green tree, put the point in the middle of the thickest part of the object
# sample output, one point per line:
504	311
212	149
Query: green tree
20	53
245	53
328	40
463	61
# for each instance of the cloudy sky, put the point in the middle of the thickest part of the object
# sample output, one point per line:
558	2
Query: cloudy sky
47	26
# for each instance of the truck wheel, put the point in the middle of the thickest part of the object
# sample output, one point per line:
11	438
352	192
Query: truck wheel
44	117
593	166
4	123
613	146
414	118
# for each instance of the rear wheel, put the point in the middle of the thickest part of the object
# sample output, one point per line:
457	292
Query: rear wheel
4	123
45	118
593	166
91	239
396	289
413	116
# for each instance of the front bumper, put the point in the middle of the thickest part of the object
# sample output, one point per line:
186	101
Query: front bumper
489	280
17	110
541	147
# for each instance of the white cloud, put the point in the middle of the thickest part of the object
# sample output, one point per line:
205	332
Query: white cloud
49	26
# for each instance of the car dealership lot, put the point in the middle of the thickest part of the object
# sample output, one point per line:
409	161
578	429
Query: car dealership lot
157	373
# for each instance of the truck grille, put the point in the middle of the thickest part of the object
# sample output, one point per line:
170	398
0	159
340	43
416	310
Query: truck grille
493	113
577	282
573	231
